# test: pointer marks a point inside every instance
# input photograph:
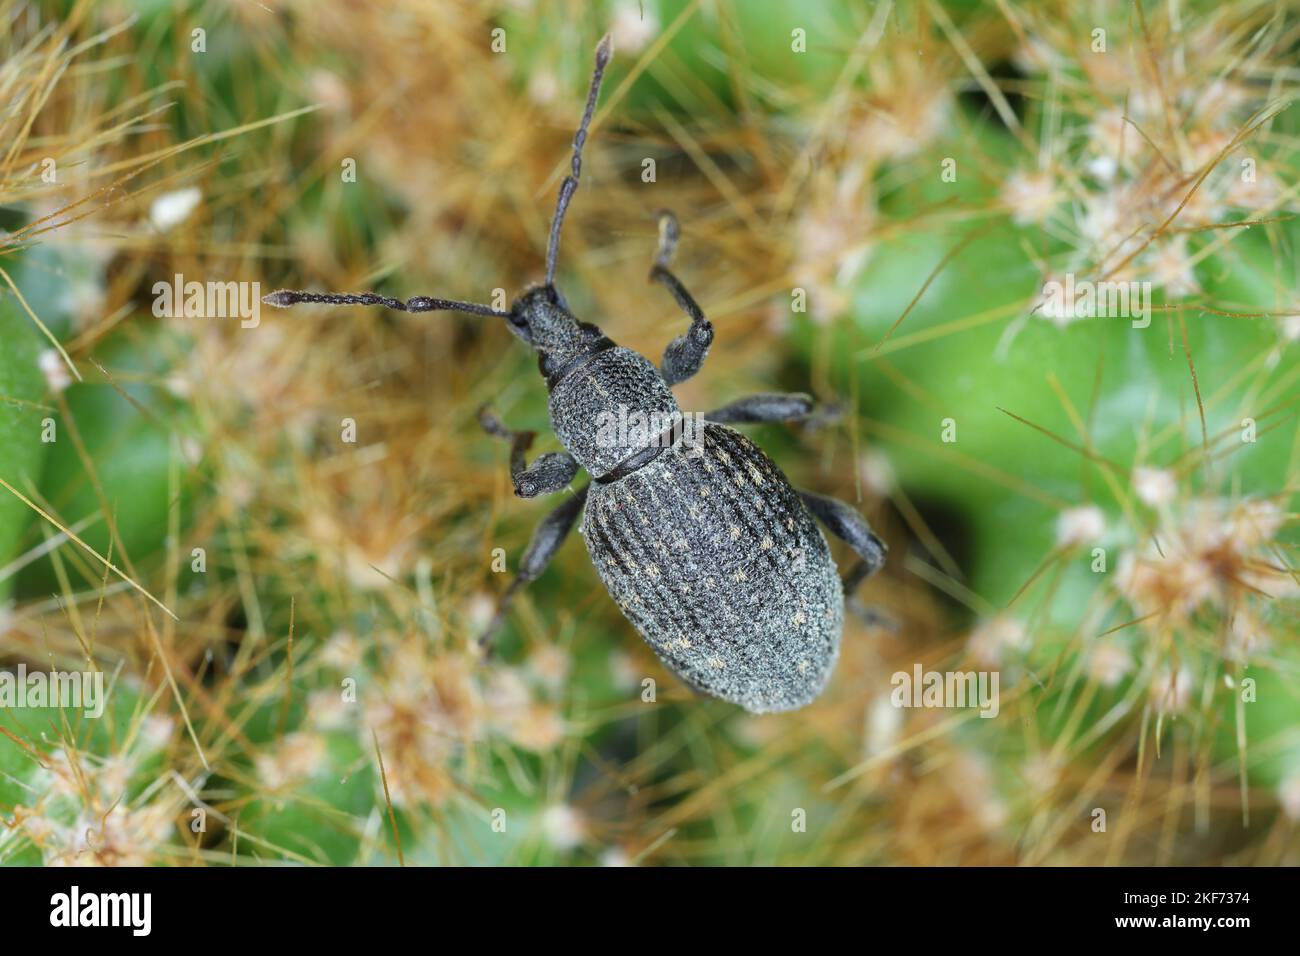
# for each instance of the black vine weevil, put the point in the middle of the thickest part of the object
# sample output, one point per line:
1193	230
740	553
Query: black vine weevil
700	538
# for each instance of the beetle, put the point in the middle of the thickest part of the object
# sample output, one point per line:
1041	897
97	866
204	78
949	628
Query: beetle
700	538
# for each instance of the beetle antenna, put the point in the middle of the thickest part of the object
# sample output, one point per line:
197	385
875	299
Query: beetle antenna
420	303
604	51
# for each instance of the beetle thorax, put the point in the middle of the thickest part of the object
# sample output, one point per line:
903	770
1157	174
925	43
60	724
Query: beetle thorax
610	405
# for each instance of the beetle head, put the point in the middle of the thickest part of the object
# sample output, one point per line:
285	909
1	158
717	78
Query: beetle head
541	318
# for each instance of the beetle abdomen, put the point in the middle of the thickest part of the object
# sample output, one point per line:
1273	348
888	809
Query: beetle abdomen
716	561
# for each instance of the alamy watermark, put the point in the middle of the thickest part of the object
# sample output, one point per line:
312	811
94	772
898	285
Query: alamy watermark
209	300
133	911
953	689
636	428
1067	301
80	689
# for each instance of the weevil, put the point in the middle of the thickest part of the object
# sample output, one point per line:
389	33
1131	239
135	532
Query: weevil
701	539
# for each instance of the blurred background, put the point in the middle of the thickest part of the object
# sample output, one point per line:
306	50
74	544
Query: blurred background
872	198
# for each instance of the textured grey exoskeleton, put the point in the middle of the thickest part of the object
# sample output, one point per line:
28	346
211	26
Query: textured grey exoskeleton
697	534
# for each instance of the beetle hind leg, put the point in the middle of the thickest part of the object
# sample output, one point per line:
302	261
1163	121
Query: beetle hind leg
849	526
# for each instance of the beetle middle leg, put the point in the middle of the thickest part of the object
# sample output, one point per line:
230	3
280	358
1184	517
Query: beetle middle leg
847	524
765	407
778	407
684	354
552	471
546	541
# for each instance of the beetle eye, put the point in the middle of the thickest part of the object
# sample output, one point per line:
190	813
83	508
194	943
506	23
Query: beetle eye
518	322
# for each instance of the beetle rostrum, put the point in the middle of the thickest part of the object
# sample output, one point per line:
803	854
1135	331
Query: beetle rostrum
697	535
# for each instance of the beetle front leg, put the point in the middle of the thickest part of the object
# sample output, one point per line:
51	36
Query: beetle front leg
546	541
684	354
848	525
551	472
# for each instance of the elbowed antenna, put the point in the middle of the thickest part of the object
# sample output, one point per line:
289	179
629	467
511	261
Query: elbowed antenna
604	51
284	298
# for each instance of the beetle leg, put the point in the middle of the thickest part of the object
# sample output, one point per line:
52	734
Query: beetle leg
551	472
546	541
778	407
845	523
764	407
684	354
